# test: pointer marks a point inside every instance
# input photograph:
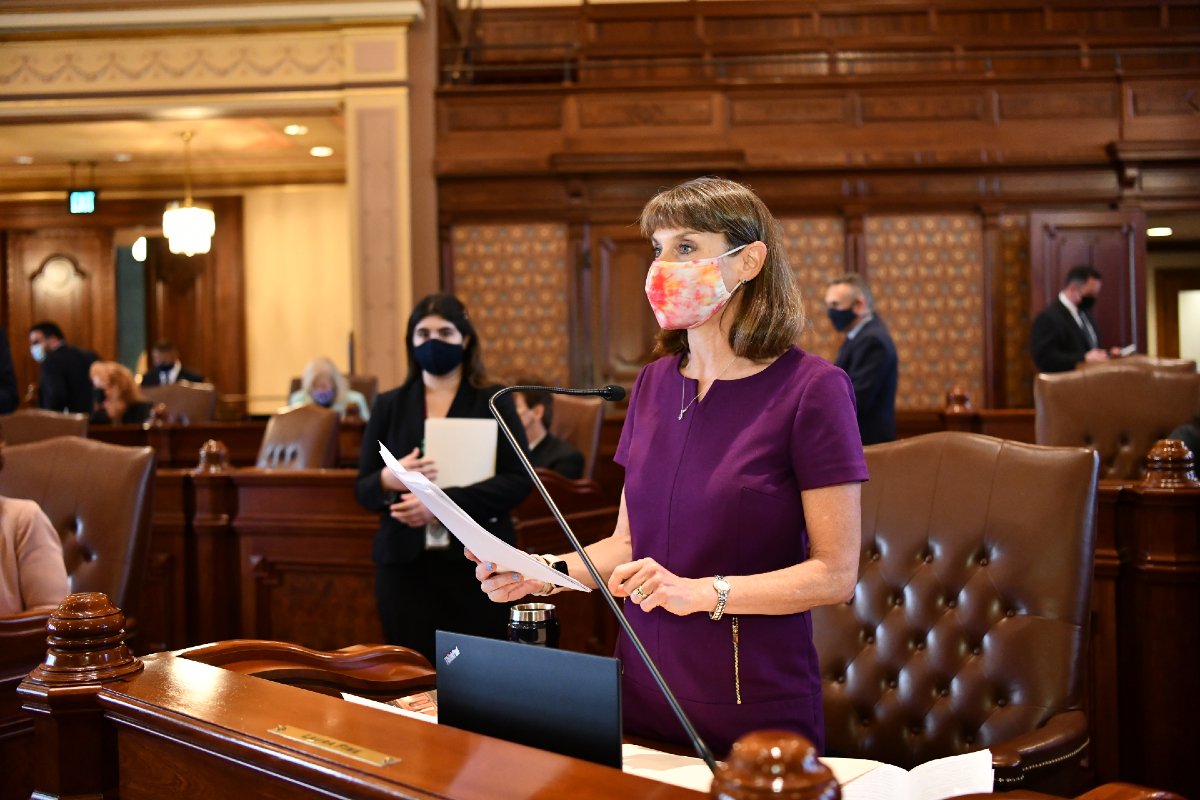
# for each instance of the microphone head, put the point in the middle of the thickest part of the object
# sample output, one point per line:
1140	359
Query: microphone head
612	393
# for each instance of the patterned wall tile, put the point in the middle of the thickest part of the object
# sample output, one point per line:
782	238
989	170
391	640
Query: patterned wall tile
926	274
1014	263
514	281
815	248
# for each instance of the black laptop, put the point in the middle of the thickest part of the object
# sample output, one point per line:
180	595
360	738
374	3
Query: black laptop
567	703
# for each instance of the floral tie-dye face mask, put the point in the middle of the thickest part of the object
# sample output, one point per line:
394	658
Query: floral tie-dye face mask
685	294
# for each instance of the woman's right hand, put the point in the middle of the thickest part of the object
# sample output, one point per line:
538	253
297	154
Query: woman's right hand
502	587
412	461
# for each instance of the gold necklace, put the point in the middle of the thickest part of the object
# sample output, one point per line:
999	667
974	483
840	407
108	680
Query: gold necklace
683	389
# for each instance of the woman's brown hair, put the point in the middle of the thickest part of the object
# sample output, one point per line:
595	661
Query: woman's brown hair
119	377
451	309
769	315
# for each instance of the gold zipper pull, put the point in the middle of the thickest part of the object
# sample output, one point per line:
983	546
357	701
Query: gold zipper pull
735	630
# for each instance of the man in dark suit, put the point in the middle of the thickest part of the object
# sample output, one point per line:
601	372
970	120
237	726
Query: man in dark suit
10	396
868	356
536	410
165	367
1065	332
65	384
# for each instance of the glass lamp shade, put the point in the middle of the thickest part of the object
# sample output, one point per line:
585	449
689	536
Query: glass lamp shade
189	228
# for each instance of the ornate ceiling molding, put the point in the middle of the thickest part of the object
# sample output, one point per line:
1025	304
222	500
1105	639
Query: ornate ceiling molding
335	14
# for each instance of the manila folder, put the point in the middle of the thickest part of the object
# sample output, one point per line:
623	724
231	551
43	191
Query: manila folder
463	450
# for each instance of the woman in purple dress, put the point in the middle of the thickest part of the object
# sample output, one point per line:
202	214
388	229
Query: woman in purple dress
743	467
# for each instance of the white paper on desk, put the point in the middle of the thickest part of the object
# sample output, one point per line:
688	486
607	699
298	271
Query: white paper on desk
463	450
365	701
1128	349
483	544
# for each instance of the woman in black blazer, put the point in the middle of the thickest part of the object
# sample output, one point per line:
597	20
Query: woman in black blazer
419	587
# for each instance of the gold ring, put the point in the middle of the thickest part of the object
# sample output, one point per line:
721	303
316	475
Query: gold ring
638	591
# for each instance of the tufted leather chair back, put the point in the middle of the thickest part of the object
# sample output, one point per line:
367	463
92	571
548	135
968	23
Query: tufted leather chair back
968	625
1143	362
301	437
35	424
99	497
577	421
187	403
1119	411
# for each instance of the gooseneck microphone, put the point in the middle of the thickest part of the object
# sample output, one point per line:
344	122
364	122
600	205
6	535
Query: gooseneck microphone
614	394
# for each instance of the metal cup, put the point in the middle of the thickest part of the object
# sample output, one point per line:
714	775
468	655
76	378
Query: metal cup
534	623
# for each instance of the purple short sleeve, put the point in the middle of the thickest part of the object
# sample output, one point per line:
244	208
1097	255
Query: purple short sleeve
622	456
826	446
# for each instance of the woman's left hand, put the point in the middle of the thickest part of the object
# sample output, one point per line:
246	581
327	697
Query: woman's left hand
411	511
661	588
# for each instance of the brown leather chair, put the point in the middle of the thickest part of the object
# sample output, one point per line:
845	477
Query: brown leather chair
968	628
577	421
1119	411
99	498
300	437
187	403
1143	362
35	424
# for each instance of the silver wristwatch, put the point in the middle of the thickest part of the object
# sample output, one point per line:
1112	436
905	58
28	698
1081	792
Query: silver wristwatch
722	587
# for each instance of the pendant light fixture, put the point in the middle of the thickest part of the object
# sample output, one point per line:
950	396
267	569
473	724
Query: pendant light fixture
189	226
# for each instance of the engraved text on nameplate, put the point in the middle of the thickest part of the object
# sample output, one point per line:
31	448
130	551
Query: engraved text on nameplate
335	745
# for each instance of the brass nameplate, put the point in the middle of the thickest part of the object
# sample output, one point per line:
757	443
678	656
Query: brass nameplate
335	745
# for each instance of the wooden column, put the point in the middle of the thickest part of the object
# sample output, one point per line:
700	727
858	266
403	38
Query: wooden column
216	549
1103	755
994	379
75	748
1159	644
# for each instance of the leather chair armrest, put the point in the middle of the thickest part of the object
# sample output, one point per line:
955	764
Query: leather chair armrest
1062	738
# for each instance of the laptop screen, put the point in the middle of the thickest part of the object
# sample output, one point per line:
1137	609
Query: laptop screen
567	703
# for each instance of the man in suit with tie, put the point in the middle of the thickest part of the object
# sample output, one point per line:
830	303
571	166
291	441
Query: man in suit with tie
1065	333
868	356
165	367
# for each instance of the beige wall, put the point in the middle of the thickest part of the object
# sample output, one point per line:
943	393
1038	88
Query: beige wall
298	285
1155	262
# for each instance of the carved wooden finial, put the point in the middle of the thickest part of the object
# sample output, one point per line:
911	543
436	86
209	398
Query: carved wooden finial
1170	465
777	764
86	643
958	401
214	458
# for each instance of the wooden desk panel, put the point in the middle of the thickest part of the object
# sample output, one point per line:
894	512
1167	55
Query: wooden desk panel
163	618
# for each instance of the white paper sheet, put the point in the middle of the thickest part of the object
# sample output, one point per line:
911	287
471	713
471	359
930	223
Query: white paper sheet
463	450
369	703
483	544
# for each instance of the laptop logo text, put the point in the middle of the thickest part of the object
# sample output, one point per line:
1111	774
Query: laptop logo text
453	654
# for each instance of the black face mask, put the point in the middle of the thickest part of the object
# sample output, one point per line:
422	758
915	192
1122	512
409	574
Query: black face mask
1086	302
99	395
437	357
165	369
842	318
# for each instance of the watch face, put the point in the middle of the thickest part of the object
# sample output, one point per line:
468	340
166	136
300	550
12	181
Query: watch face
721	585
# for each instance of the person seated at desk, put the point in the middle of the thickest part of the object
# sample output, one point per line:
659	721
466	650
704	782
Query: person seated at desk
741	507
422	582
166	368
32	572
118	399
547	451
63	383
324	385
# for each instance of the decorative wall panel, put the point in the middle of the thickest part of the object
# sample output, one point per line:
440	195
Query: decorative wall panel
926	274
515	283
815	248
1014	265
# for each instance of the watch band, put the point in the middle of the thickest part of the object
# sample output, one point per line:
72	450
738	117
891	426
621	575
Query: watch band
722	596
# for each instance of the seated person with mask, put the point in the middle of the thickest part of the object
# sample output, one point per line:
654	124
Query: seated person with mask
324	385
166	368
118	399
547	451
32	572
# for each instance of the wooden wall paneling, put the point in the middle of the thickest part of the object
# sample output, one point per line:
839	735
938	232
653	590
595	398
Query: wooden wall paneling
926	273
995	373
1114	243
1168	283
168	592
178	286
1103	760
1014	260
304	558
516	283
215	558
67	276
226	303
583	307
627	326
815	248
